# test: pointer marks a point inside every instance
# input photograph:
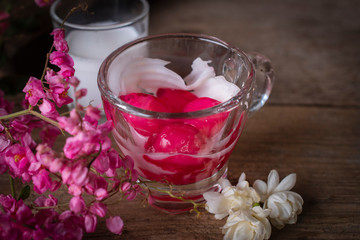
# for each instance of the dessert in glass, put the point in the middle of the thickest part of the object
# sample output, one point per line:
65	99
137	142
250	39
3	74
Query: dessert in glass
178	103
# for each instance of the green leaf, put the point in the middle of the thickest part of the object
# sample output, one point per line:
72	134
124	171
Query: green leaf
25	192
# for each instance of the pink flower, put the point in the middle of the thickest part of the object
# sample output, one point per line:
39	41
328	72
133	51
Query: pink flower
59	94
66	71
76	174
70	124
60	43
92	115
8	203
4	142
77	204
70	227
53	79
83	144
95	183
60	59
79	175
34	91
56	165
115	224
80	93
125	187
106	127
23	213
100	194
75	190
45	154
101	163
34	167
90	223
18	159
18	125
74	81
41	181
130	190
131	195
55	185
43	3
114	163
58	91
99	209
128	163
66	175
43	201
48	109
49	133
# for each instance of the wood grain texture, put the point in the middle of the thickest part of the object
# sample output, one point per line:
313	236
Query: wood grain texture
310	126
319	145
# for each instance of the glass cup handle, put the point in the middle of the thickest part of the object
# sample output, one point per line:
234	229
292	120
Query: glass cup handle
264	80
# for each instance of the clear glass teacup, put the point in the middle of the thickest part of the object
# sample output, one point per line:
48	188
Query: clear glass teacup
181	152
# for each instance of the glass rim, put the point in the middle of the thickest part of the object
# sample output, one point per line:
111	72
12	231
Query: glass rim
144	13
228	105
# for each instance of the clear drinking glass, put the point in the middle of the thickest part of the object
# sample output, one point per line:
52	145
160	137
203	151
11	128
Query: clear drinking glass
94	34
186	174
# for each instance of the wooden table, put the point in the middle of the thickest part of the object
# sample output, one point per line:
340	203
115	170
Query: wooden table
310	126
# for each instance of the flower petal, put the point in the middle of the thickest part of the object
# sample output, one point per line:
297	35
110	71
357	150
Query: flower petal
242	183
224	183
273	181
261	188
287	183
216	204
115	224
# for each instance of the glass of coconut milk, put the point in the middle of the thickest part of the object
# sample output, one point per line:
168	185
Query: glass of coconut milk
93	34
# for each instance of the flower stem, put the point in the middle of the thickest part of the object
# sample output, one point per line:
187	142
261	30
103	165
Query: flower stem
46	119
32	112
16	114
12	186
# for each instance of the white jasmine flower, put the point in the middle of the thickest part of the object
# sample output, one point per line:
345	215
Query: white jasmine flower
247	225
284	204
231	198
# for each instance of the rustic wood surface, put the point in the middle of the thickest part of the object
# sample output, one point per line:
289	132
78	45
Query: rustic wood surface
310	126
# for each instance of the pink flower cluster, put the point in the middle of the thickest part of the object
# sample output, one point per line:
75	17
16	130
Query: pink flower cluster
17	145
19	222
54	90
87	164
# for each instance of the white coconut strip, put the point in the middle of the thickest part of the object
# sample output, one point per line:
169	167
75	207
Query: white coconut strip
149	74
201	71
217	88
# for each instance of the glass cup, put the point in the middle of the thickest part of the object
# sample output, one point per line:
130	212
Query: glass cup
197	143
94	34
